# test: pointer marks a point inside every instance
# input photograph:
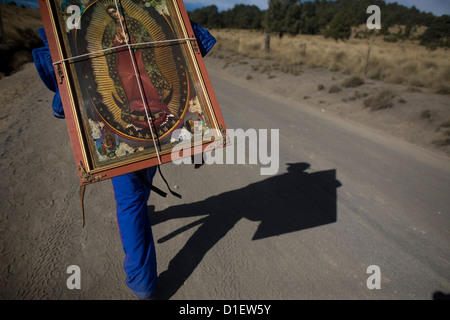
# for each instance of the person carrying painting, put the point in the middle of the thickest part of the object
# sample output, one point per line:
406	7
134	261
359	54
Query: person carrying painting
131	191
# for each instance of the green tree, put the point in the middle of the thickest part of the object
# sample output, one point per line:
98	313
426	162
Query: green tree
332	18
339	28
273	20
208	17
243	17
291	21
274	16
309	20
438	34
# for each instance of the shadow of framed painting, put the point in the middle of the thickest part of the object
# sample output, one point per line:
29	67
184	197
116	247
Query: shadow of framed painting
133	84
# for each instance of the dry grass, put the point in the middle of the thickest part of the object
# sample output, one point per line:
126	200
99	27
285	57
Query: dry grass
403	62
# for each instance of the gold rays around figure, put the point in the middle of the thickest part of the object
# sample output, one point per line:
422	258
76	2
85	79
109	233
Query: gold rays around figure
97	25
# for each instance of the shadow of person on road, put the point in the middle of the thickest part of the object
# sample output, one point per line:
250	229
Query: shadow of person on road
439	295
286	203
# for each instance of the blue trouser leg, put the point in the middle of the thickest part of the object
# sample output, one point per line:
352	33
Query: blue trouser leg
135	230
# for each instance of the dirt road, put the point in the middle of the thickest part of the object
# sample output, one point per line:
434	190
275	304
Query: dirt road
345	198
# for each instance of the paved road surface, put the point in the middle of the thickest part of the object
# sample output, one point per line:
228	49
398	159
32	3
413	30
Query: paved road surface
345	198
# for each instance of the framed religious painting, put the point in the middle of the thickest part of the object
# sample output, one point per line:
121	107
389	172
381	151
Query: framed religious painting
133	84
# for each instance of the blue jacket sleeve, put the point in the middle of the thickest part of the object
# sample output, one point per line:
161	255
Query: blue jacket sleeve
44	66
205	39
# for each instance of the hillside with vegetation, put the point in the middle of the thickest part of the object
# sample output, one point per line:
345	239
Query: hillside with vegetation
396	79
334	19
411	48
18	37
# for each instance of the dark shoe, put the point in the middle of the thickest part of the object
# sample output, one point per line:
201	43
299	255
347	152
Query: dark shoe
153	297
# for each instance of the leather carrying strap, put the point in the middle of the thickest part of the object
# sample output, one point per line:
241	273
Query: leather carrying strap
149	185
143	179
155	189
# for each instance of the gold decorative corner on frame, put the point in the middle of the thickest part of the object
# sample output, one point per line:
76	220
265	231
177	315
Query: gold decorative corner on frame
88	177
226	139
194	45
60	73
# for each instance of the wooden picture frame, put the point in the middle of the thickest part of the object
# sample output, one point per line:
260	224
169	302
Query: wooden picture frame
133	84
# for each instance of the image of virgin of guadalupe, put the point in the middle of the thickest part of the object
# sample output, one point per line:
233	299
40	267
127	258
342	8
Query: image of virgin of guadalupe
156	89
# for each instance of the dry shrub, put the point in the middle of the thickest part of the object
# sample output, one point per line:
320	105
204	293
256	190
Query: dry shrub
443	89
334	89
425	114
442	142
383	100
446	123
353	82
